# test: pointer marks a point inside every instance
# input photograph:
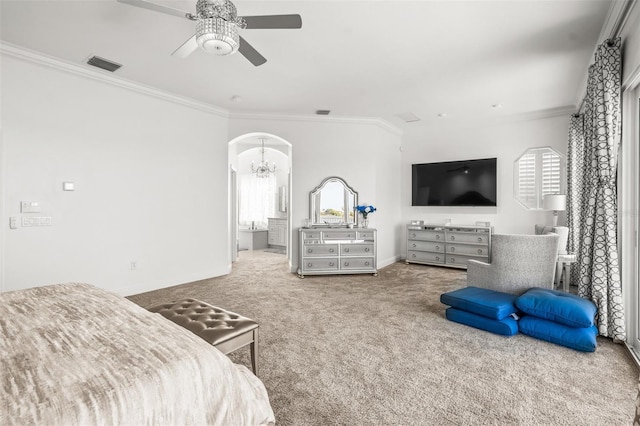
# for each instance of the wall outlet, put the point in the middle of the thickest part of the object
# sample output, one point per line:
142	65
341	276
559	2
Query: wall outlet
134	265
29	207
13	222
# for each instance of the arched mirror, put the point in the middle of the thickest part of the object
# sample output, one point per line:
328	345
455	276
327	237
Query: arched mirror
332	203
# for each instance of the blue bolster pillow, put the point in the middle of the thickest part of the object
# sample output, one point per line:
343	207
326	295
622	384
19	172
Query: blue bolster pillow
557	306
580	339
505	327
488	303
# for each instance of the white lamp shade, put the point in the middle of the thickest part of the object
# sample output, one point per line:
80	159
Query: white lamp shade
556	202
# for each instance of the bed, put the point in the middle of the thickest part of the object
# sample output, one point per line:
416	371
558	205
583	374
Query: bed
73	354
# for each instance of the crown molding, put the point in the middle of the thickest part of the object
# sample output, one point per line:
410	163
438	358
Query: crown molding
383	124
17	52
616	19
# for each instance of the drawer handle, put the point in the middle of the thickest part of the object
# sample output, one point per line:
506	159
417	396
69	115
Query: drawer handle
414	234
437	236
309	250
453	259
413	255
346	249
437	257
330	250
453	238
480	239
452	249
346	263
479	251
414	245
437	247
331	263
309	264
366	263
366	249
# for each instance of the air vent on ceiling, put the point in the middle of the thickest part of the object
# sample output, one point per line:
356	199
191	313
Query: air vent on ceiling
105	64
323	111
409	117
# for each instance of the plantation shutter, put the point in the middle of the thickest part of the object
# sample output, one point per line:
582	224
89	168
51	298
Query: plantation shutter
551	179
527	180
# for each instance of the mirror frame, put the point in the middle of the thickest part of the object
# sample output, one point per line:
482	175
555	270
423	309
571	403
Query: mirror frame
312	204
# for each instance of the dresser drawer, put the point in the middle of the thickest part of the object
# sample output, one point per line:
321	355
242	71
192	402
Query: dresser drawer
339	235
365	235
471	250
425	235
321	264
426	246
356	249
311	235
319	250
461	260
468	237
423	256
357	263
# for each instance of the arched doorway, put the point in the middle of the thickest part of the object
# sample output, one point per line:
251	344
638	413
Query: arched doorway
260	207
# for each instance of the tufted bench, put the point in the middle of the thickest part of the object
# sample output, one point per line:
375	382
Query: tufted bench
225	330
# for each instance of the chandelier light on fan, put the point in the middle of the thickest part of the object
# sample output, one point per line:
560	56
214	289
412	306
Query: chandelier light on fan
217	24
263	170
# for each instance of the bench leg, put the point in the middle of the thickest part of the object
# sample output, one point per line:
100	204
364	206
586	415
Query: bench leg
254	352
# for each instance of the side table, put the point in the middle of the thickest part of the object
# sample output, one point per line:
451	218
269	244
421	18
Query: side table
564	262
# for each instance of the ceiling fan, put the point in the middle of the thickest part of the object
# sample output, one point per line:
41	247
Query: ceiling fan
217	24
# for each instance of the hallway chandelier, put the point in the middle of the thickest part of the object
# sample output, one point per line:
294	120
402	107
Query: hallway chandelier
263	170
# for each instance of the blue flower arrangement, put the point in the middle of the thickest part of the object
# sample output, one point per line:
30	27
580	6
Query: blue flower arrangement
365	210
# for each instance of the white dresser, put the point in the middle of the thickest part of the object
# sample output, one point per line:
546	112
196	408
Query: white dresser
277	228
337	251
448	245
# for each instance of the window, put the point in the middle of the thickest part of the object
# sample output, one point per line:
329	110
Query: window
537	172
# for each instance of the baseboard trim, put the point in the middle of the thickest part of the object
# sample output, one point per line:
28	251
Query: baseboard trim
632	355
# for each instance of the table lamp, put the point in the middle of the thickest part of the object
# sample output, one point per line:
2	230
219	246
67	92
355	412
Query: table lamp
555	202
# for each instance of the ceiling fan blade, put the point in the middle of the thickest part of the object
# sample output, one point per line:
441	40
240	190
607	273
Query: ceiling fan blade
250	53
273	22
186	49
158	8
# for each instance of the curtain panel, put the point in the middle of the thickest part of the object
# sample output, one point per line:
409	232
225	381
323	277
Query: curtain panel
594	140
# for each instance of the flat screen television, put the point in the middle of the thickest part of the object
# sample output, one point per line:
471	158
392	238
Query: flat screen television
455	183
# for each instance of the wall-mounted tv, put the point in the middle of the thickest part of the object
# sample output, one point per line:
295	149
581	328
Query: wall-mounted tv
455	183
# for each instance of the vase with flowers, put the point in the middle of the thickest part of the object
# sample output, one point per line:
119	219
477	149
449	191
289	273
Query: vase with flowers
365	211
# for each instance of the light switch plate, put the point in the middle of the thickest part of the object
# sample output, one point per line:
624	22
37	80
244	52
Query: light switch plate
29	207
68	186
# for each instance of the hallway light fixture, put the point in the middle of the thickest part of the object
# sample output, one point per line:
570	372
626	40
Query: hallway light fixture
263	170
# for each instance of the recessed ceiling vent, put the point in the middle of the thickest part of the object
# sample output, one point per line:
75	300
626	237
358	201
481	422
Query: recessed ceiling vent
408	117
105	64
323	111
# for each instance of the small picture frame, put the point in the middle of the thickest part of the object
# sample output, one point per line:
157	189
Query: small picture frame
417	222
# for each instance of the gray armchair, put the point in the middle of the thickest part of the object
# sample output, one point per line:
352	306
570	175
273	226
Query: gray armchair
518	262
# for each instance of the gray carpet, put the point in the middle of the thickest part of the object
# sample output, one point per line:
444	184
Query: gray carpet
358	349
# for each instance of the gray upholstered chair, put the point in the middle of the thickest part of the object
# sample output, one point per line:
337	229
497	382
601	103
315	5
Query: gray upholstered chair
563	232
518	262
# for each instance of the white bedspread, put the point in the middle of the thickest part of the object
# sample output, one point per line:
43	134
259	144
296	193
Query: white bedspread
72	354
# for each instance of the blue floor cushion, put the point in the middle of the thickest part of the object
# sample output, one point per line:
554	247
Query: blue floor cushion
488	303
557	306
506	327
580	339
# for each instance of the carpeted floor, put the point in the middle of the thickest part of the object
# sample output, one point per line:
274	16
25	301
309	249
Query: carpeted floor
358	349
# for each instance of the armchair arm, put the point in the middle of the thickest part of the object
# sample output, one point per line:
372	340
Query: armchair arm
479	274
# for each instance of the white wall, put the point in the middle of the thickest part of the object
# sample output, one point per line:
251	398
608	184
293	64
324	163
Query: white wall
149	176
506	141
364	153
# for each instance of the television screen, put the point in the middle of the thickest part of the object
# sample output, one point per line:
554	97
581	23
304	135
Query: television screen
455	183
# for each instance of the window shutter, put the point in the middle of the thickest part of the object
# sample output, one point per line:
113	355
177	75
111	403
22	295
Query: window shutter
527	179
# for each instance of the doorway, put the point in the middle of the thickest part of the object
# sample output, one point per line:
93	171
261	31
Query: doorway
260	196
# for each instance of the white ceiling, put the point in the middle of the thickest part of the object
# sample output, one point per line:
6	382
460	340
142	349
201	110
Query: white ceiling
356	58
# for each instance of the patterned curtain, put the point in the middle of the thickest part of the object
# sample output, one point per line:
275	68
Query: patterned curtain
594	139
